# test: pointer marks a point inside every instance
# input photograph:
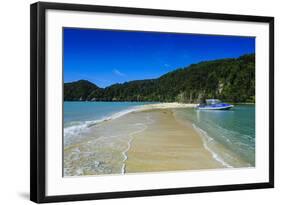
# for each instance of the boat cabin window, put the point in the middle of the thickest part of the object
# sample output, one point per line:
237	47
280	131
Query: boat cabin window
212	101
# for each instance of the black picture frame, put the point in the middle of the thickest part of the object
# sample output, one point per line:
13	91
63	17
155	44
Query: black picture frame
37	101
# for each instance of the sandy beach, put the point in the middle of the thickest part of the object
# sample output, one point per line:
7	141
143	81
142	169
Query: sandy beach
167	145
146	140
149	138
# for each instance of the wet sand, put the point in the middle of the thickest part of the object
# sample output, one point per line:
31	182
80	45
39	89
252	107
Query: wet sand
167	145
144	141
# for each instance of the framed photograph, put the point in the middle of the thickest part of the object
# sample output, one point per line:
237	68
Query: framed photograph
129	102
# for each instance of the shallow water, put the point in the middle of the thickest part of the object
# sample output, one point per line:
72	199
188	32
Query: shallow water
103	148
232	130
95	143
79	116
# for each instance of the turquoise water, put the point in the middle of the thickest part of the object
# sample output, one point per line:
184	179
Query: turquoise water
234	129
91	145
81	112
78	116
228	135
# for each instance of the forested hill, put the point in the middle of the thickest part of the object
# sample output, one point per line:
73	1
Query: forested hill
231	80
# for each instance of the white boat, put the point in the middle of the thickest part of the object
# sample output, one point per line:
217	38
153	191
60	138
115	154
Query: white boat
214	104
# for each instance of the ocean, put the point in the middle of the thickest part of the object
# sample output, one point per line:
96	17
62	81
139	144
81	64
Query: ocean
228	135
78	116
90	145
233	130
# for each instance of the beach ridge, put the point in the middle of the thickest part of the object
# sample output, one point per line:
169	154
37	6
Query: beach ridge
150	139
166	145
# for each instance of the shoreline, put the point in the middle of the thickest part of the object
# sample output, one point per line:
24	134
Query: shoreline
166	145
125	152
152	102
147	138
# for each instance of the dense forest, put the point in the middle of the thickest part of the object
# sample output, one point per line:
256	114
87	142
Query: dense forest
231	80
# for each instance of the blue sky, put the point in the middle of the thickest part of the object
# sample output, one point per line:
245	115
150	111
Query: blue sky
105	57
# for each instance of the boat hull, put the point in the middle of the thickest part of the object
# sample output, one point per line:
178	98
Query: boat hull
215	108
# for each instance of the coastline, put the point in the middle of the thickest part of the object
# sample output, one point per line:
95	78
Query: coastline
166	145
158	106
146	138
117	146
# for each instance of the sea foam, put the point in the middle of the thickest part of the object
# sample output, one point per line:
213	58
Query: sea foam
206	140
77	130
131	135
